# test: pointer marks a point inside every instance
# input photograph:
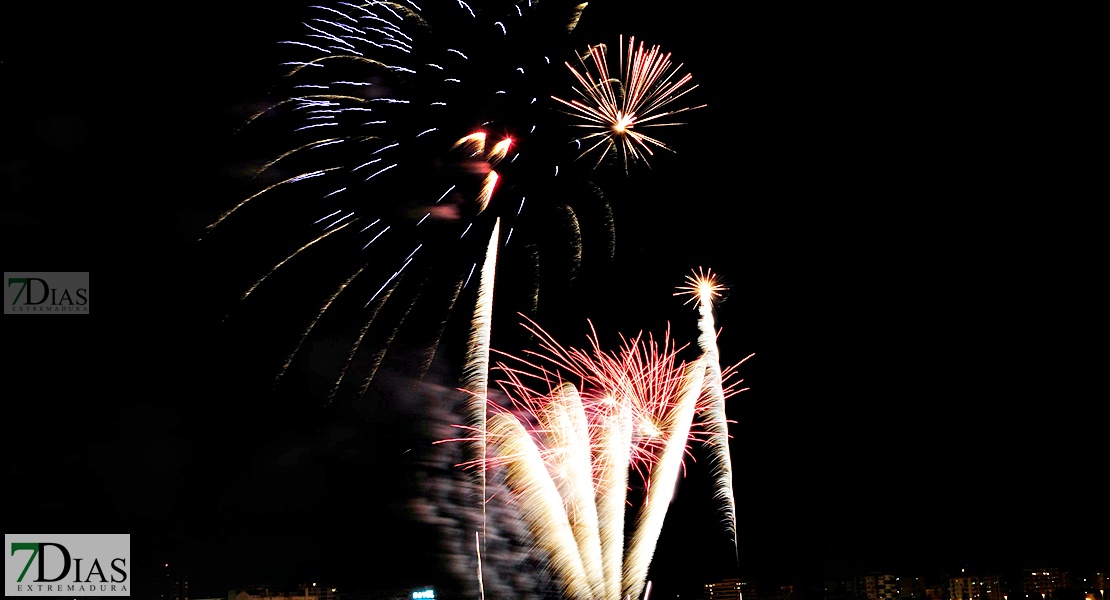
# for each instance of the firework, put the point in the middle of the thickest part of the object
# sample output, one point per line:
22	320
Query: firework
476	372
704	289
409	132
566	453
618	108
403	134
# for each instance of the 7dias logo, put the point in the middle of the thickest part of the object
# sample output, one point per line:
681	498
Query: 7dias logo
54	565
38	293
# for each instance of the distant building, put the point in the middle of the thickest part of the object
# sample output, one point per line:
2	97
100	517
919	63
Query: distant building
786	592
1044	582
837	589
881	587
1102	583
934	591
322	592
1028	584
729	589
916	588
173	585
305	592
977	587
1092	586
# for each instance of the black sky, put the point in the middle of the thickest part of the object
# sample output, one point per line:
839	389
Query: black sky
893	197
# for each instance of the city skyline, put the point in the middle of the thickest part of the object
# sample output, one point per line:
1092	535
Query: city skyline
954	584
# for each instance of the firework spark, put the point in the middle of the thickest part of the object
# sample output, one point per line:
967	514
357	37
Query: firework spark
618	108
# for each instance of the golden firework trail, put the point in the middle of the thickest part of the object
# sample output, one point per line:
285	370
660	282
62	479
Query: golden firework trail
568	471
476	370
566	454
296	178
358	343
296	252
611	475
570	437
664	477
704	289
539	500
312	324
478	550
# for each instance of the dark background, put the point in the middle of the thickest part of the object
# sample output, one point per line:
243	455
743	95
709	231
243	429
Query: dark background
894	196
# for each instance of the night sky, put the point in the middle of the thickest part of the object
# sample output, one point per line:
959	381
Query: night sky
911	263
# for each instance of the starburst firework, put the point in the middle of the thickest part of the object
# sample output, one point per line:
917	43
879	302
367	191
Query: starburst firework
409	132
619	107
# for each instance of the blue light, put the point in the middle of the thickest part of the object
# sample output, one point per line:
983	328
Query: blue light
424	595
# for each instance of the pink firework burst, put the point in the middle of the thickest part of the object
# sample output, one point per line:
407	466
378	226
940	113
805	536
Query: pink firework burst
642	380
